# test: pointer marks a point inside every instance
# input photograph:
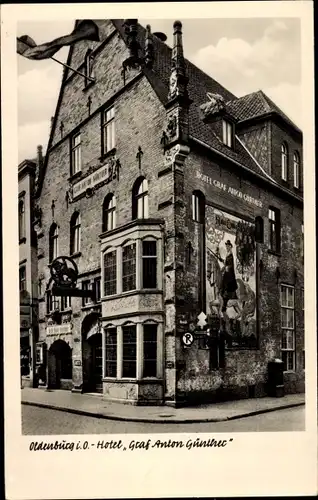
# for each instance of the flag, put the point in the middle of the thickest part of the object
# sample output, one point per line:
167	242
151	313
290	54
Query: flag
85	30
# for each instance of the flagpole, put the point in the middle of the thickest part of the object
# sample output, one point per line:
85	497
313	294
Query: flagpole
63	64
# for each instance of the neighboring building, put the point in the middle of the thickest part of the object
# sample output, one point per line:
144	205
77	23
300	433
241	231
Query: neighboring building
154	170
27	174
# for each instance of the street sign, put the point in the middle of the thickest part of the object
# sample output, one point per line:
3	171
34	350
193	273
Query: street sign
187	339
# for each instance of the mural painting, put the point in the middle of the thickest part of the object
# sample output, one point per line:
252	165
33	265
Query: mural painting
231	277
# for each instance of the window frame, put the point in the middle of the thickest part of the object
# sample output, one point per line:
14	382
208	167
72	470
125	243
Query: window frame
287	329
53	242
113	291
108	123
88	66
76	164
274	229
124	274
155	360
22	269
296	164
284	161
85	285
140	199
109	212
124	327
228	133
106	360
144	259
21	210
75	233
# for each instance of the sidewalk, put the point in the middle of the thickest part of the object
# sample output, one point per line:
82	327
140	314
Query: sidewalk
95	406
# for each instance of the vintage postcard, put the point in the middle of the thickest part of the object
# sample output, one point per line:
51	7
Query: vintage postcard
159	258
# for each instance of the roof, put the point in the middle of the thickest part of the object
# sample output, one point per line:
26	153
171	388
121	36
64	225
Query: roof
199	84
255	105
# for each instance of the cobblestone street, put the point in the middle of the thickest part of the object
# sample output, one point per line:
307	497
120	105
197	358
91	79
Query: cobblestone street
41	421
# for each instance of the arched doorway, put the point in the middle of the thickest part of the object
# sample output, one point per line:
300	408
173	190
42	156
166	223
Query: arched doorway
60	365
92	354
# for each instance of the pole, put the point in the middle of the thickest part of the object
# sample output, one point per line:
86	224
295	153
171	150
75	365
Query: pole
63	64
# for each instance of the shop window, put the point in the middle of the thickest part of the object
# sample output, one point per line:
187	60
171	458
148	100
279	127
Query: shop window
259	229
228	133
129	267
284	161
111	352
129	351
109	212
97	289
108	130
198	206
110	273
149	264
22	278
85	286
274	229
288	327
75	233
150	351
76	154
53	242
21	219
296	169
140	200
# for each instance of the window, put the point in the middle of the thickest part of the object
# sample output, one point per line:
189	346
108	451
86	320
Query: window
109	213
110	273
21	220
52	303
284	160
53	242
287	324
150	351
111	352
89	60
140	207
296	169
228	133
149	264
198	206
65	303
75	232
76	161
129	351
97	289
108	130
22	278
274	229
85	286
129	267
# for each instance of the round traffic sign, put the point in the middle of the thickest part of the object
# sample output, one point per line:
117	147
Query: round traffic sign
187	339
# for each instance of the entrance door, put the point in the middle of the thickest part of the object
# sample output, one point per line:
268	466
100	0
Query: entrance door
95	342
60	364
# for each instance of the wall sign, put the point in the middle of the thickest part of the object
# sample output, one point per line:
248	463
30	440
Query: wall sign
187	339
229	189
106	173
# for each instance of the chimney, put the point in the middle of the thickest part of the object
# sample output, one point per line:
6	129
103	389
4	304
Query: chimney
40	157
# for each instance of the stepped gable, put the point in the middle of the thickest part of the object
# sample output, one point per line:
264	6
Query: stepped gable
255	105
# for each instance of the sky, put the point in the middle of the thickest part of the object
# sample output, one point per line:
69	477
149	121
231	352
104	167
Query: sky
244	55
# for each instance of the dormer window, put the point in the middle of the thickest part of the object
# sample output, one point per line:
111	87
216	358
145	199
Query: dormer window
228	133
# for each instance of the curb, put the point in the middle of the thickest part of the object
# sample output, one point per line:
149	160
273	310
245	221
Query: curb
158	419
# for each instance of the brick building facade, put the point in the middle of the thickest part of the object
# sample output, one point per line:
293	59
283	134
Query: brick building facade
182	207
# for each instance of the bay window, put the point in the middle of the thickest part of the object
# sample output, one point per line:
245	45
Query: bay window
111	352
129	267
150	351
149	264
129	363
110	274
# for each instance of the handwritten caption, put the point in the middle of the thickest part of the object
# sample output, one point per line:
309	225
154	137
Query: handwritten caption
132	445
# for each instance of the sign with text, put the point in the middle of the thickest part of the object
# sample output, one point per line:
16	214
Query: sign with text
59	329
104	174
230	190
